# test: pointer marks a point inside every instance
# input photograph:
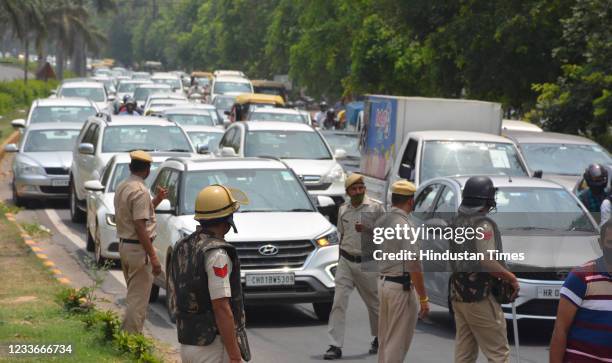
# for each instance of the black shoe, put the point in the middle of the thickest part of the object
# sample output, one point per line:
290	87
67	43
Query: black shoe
374	346
333	353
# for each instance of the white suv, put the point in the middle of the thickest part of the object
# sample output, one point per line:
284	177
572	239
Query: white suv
299	145
288	251
104	136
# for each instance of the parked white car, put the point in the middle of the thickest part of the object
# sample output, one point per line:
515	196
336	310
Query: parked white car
41	165
101	227
288	251
103	137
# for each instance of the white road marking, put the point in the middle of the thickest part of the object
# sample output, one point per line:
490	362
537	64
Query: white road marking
63	229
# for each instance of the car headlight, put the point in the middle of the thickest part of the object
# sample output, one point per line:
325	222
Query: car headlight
328	239
336	174
29	169
110	220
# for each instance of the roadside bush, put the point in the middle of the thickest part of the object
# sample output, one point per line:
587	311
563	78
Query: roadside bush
6	103
76	300
18	94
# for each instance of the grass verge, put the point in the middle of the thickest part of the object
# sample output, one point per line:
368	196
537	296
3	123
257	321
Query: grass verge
5	123
31	314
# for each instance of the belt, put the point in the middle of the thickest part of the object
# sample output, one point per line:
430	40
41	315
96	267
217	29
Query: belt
398	279
348	256
125	240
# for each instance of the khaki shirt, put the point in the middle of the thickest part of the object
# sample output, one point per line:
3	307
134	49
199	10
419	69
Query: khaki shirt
133	202
387	267
218	270
366	213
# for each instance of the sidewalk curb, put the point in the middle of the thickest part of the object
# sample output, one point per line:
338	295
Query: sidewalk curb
33	246
9	140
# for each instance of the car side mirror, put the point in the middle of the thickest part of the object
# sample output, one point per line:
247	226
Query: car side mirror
323	201
93	186
18	123
538	174
11	148
203	149
53	92
340	153
228	151
86	148
111	97
164	207
405	171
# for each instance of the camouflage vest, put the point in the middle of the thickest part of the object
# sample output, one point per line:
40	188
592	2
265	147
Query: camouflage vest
468	283
195	320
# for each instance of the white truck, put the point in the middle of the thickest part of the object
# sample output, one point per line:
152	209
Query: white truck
419	138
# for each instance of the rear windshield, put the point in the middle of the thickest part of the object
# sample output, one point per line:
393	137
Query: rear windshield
78	114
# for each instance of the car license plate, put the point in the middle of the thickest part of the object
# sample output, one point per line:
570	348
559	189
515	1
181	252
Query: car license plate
60	182
286	279
549	292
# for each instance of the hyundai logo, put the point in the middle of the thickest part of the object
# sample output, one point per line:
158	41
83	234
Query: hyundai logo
268	250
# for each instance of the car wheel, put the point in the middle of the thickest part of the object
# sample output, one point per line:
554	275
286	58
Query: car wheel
154	293
170	295
76	214
322	310
17	200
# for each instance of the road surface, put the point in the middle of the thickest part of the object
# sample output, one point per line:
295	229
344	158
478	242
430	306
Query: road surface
9	73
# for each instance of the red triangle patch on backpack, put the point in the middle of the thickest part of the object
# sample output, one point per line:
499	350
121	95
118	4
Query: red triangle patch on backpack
220	271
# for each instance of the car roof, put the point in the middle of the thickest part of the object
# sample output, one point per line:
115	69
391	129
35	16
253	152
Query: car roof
510	182
276	126
55	126
164	75
170	96
518	125
84	84
276	110
154	85
64	101
156	155
122	120
137	81
229	163
547	138
232	79
190	110
459	136
202	128
339	132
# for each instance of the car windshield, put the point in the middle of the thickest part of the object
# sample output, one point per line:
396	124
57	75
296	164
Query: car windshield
224	103
446	158
286	145
225	87
78	114
172	82
567	159
261	186
141	93
145	137
202	138
346	142
199	119
95	94
539	209
50	140
274	116
127	87
122	171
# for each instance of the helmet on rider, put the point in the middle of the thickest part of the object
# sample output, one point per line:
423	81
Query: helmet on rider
596	176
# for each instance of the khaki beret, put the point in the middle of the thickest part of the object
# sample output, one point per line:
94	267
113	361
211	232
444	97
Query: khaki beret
352	179
141	156
403	187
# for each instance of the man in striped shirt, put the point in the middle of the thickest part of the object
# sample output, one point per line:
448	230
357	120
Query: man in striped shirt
583	329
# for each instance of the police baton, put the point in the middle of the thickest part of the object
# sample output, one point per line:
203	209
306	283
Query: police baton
516	336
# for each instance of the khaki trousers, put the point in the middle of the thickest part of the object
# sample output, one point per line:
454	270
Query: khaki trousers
480	324
397	321
138	274
213	353
349	276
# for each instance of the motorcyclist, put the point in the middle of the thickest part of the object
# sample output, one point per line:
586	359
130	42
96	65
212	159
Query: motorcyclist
130	108
330	119
320	116
596	178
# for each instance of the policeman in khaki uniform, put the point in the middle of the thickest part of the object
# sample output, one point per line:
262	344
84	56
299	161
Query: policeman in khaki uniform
205	271
398	281
351	224
135	218
479	318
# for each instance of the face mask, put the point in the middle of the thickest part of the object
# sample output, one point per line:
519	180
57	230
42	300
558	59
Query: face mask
357	198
